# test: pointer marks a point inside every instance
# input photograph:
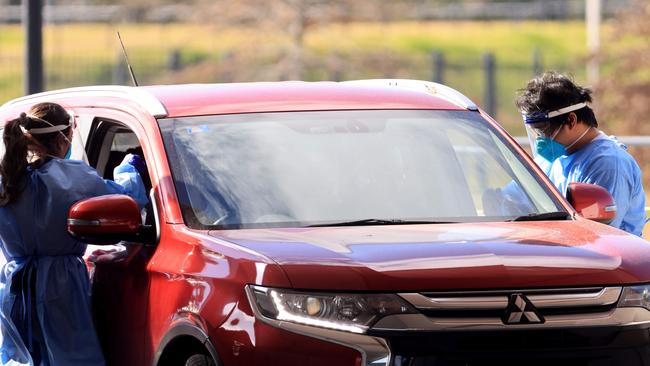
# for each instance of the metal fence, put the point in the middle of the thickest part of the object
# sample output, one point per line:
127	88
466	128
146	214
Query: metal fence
487	79
402	9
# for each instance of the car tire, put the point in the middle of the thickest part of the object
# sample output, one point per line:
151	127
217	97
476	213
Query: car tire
199	360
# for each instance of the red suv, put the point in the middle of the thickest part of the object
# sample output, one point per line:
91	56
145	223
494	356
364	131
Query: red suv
376	222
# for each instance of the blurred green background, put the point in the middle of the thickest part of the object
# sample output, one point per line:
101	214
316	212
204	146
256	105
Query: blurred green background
89	54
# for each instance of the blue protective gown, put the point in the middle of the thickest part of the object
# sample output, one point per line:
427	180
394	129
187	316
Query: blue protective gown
45	313
544	164
606	162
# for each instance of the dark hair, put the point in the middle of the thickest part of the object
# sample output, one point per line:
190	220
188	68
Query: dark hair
18	143
552	91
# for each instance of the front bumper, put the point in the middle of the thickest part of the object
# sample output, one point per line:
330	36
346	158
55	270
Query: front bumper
629	346
374	351
584	328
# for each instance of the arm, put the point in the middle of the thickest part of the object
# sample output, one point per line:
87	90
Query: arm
507	201
127	178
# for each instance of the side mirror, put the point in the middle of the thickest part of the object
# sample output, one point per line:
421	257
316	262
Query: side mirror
592	202
105	219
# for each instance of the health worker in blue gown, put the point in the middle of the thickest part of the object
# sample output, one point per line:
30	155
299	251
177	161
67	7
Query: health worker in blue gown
45	312
570	148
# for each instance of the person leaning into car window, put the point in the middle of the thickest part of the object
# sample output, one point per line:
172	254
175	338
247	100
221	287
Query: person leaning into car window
45	315
570	148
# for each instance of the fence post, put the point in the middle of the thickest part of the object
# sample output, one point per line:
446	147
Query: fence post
335	66
336	74
174	61
489	65
438	63
33	20
538	65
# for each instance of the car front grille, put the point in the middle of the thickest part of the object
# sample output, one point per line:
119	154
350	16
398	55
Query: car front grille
557	327
489	307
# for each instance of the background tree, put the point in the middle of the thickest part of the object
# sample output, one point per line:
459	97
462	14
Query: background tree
623	95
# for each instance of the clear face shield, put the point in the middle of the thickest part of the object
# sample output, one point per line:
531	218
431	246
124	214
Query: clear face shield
532	141
539	128
536	132
75	142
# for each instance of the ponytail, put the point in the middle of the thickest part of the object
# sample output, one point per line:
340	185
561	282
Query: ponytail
18	140
14	162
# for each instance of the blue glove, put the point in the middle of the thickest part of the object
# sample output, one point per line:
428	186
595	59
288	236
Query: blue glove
137	162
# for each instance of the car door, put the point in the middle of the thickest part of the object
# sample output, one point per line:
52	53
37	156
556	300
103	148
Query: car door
120	281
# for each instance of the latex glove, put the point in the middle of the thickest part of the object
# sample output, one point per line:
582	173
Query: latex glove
137	162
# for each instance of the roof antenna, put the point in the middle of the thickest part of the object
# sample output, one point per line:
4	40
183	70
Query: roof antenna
135	82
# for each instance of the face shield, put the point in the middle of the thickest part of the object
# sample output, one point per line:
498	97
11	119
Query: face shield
538	124
74	135
76	141
538	131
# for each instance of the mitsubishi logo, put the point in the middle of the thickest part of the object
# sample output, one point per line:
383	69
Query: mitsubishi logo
521	311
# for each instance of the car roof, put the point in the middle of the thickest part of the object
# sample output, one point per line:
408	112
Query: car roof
206	99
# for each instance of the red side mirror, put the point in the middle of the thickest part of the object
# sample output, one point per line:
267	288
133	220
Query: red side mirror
105	219
591	201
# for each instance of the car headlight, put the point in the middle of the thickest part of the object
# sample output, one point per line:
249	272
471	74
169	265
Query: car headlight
635	296
347	312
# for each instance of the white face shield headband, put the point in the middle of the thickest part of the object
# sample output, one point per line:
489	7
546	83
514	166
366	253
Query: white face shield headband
543	117
51	129
43	130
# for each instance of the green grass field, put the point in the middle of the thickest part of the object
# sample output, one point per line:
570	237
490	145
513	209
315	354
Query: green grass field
86	54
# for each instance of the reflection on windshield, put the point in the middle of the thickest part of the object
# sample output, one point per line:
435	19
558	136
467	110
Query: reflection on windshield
311	168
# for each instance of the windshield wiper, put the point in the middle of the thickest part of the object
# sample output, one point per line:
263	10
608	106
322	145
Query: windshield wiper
559	215
369	222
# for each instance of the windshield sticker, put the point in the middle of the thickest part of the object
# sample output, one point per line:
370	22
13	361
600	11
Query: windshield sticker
198	129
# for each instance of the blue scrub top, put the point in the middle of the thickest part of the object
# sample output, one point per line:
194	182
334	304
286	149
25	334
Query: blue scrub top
45	313
606	162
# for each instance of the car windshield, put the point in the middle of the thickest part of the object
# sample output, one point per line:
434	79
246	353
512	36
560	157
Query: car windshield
367	167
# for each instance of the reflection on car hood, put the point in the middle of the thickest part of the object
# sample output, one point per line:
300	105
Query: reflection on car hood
452	256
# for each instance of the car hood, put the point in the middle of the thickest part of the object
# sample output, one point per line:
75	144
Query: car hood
512	255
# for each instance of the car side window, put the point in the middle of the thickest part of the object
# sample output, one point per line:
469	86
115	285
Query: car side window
109	142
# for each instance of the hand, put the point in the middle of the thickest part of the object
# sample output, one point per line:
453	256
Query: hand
137	162
98	253
111	254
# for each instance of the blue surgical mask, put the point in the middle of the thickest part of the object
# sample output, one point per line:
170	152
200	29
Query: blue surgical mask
69	152
549	149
